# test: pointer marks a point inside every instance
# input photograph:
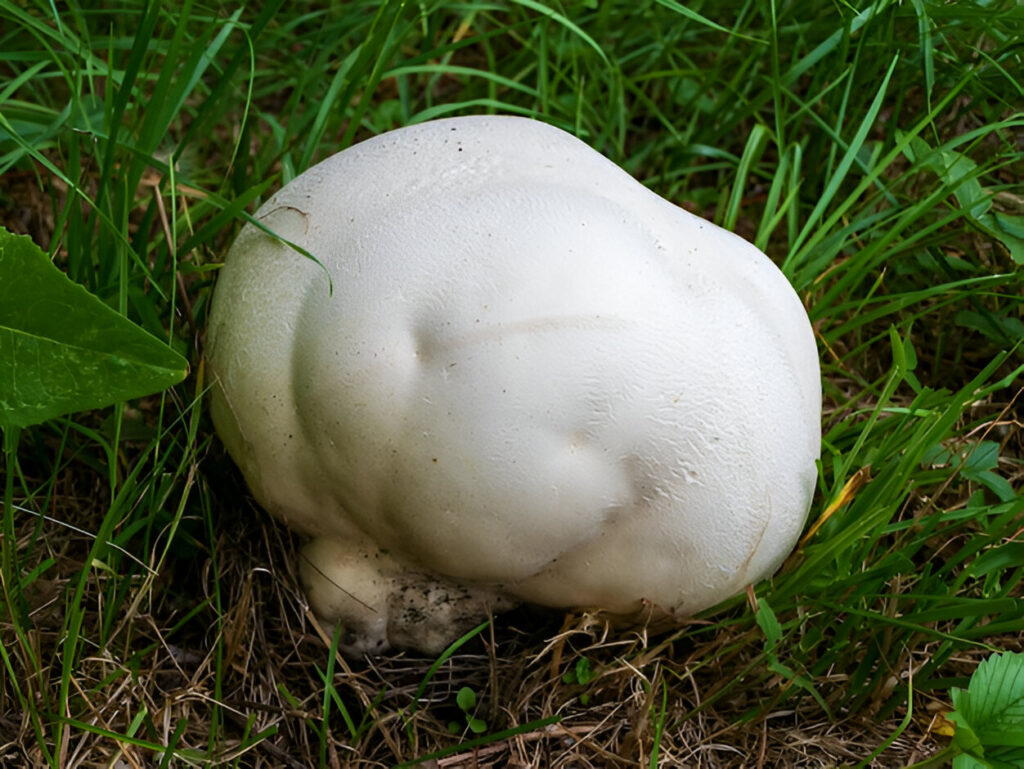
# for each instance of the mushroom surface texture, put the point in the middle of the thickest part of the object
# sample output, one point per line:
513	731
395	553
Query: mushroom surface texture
513	373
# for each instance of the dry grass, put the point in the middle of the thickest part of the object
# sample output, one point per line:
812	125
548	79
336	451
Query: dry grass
649	693
255	666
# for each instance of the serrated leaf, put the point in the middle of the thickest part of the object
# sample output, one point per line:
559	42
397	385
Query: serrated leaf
62	349
963	736
991	711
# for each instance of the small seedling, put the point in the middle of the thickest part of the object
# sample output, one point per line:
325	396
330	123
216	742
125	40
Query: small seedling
466	700
582	674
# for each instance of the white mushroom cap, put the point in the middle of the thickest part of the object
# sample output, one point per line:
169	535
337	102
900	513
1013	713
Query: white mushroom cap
533	375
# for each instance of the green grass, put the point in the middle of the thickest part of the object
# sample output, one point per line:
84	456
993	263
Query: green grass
873	150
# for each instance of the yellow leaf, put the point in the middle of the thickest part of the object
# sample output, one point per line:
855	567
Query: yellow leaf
846	495
942	725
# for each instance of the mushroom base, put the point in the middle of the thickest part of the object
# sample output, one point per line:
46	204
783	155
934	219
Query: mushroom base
381	604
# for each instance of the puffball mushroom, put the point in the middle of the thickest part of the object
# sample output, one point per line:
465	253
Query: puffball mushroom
513	373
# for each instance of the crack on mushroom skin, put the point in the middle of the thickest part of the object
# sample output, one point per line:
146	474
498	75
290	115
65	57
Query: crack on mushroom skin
269	215
530	367
742	570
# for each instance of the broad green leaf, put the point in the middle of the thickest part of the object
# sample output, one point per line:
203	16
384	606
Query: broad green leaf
1008	555
994	482
1002	329
936	455
965	761
955	170
62	349
1009	230
1000	758
980	466
984	456
991	712
1005	757
964	736
961	174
